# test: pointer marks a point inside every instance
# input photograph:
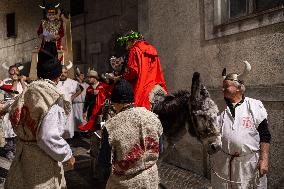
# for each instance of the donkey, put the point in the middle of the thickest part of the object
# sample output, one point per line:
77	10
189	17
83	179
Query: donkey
195	111
182	110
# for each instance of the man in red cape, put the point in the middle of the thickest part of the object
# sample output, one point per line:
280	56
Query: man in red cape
143	71
104	91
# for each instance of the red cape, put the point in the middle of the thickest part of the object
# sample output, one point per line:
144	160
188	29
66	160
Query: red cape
104	92
144	71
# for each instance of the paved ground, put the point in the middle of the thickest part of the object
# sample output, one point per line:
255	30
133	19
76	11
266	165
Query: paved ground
171	177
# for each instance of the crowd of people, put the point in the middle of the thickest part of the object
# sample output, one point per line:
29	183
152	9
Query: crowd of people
40	118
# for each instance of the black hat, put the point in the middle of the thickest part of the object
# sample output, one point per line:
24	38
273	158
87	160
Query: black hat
122	92
49	69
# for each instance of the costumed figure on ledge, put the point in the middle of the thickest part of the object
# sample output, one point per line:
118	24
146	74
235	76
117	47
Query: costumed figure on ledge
51	30
56	38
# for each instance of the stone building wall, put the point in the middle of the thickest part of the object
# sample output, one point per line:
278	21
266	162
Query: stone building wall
95	29
178	30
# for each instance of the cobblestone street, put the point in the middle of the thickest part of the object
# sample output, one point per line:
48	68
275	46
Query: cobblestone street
171	177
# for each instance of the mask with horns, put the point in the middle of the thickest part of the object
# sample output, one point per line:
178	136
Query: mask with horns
51	7
69	66
235	76
92	73
18	65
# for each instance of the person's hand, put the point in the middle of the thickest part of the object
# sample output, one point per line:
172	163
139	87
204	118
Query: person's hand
116	78
23	78
72	161
2	109
85	116
112	77
44	33
96	92
69	165
55	37
263	167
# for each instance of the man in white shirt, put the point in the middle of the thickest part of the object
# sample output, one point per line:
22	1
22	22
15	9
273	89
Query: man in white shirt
243	161
71	89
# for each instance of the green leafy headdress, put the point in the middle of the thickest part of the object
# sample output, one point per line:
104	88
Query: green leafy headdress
132	35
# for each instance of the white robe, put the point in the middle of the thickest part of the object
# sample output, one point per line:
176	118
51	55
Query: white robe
239	135
68	88
78	104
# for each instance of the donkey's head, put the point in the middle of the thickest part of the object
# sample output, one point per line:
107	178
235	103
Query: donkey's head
203	116
196	110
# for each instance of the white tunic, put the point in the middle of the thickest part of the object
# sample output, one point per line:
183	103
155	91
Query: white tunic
49	137
239	135
68	88
78	104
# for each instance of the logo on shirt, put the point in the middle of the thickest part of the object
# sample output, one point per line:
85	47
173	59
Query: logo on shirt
247	122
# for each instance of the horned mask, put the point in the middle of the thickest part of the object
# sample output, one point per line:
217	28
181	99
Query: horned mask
7	67
50	6
235	76
69	66
92	73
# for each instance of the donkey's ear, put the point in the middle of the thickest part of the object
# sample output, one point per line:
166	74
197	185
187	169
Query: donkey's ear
195	86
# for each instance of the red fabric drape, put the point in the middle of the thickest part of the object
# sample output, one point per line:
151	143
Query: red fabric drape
144	71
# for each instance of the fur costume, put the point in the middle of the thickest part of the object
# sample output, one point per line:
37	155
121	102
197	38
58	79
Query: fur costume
134	138
32	167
